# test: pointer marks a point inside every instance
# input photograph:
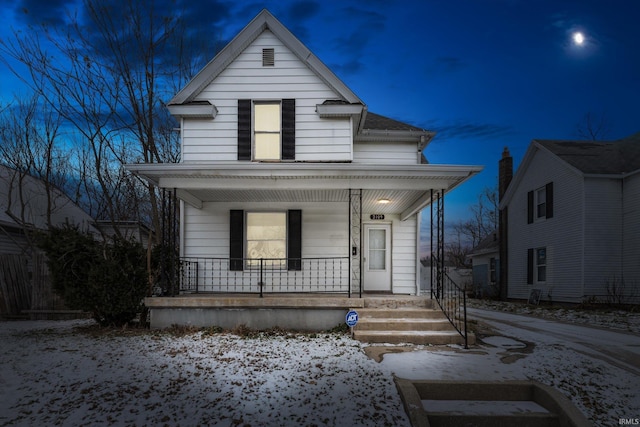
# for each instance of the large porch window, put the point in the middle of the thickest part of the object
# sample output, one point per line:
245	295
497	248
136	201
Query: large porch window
267	239
273	237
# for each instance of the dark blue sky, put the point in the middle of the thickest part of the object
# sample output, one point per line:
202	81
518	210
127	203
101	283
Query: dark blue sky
483	74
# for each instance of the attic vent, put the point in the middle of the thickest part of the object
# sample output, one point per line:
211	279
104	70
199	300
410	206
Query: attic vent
268	57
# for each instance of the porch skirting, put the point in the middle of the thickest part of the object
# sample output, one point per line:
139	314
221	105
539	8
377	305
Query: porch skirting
307	313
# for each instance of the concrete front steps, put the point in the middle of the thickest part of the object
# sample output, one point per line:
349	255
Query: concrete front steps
486	404
396	320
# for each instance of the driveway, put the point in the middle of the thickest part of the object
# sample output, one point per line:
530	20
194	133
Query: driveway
616	348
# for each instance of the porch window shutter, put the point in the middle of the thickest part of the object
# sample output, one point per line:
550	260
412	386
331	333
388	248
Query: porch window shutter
288	129
294	243
530	207
236	240
530	266
549	201
244	129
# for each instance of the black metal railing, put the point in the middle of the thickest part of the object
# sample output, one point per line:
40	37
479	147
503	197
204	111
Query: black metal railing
452	300
265	275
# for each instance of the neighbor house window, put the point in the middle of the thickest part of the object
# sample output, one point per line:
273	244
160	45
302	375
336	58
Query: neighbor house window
266	131
540	204
492	270
541	264
536	265
267	239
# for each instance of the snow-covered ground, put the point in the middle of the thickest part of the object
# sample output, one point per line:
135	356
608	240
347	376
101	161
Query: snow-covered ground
72	373
53	374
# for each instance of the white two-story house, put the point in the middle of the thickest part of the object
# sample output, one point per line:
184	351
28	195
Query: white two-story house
288	183
574	222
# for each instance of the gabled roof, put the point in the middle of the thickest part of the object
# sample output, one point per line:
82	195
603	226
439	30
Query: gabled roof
611	159
264	21
490	244
594	157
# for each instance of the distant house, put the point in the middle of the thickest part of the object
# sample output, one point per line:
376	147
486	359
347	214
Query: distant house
288	184
26	205
573	228
485	260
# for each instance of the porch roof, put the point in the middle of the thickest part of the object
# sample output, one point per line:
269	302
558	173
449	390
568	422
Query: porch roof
406	187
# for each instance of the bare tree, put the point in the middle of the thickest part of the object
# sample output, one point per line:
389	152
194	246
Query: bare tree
594	127
469	233
108	74
30	136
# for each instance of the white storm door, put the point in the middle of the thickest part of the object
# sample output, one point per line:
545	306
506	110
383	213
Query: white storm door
377	257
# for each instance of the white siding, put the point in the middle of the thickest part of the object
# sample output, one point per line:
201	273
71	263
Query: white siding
325	232
317	139
603	234
404	257
561	235
631	233
385	152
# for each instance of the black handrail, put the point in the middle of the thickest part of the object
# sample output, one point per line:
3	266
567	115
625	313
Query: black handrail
265	275
452	300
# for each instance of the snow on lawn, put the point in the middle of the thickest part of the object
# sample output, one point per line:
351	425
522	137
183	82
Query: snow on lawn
71	373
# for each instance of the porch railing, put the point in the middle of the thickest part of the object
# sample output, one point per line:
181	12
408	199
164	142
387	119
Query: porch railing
265	275
452	300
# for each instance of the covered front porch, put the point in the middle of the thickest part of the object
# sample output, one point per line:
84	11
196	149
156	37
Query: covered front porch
356	227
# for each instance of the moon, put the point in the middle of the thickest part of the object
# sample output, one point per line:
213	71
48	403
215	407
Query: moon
578	38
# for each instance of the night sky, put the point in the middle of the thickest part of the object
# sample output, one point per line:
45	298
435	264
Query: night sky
483	74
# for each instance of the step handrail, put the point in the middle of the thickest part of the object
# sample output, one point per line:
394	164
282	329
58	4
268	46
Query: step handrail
452	300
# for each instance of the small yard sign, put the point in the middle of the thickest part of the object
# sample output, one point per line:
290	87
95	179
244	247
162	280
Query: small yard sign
352	318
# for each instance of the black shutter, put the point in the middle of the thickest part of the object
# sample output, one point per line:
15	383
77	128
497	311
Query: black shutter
294	243
530	207
288	129
236	240
244	129
530	266
549	201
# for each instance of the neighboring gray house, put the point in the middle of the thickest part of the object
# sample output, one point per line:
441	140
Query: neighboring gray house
485	260
24	203
285	175
573	228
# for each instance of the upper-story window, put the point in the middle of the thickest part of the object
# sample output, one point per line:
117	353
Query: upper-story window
266	130
540	203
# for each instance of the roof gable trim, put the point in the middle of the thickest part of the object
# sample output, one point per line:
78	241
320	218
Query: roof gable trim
263	21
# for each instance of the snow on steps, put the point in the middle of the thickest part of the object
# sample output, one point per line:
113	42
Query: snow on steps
410	320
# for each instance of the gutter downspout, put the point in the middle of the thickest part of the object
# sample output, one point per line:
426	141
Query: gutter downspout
418	264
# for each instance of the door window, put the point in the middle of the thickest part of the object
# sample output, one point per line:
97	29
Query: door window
377	249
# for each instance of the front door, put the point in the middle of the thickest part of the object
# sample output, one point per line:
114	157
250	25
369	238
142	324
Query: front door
377	257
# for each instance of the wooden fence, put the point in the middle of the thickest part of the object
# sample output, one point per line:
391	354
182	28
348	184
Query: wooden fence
15	284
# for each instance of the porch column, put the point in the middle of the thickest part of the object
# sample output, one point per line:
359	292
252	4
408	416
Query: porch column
355	239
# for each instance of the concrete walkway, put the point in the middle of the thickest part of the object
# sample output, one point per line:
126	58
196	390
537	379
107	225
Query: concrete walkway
617	348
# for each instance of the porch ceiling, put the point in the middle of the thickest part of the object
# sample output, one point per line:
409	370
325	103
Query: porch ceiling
407	187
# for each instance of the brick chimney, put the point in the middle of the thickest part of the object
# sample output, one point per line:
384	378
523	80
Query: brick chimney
505	172
505	175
